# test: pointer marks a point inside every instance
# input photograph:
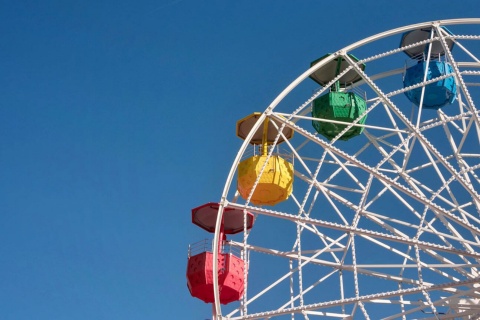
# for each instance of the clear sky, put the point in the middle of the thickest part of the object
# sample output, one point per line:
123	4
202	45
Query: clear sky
118	117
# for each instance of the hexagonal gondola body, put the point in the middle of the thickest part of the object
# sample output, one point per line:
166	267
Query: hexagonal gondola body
437	94
230	277
275	184
338	106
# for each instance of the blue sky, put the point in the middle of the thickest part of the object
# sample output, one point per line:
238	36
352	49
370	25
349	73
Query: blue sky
118	117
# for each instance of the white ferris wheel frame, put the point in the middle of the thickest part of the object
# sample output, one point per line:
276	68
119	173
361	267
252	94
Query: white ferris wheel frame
285	120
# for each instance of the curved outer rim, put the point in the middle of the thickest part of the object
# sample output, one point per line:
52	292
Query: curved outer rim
217	314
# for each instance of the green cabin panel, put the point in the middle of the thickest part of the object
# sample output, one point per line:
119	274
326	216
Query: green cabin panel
338	106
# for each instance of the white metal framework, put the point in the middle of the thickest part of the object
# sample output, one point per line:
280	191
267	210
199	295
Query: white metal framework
385	225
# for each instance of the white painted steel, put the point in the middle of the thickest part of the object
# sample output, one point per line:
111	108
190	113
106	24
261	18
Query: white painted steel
385	225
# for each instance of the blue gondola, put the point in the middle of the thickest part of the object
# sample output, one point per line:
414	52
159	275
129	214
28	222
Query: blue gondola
439	93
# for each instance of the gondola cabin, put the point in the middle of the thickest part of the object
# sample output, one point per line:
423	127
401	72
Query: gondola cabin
427	62
266	179
230	277
437	94
343	107
200	267
275	183
339	108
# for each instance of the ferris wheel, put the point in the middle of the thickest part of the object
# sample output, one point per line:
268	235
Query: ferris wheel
355	193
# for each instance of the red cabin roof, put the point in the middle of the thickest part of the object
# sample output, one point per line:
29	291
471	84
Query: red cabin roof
205	216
